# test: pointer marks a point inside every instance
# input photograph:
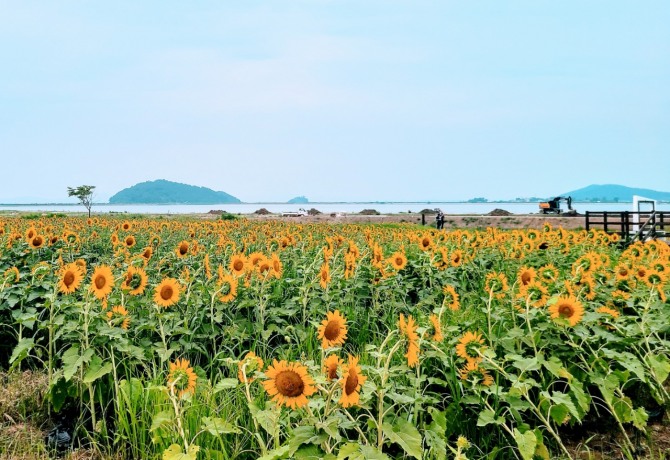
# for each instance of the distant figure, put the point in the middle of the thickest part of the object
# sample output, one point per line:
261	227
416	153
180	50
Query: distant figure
439	219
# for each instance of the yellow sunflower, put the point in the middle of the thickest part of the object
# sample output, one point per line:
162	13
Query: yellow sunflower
228	286
147	253
277	267
333	330
469	345
569	308
472	370
167	292
608	311
182	249
102	281
456	258
70	278
496	285
324	275
37	241
526	276
398	260
130	241
12	275
437	328
425	242
135	281
181	378
408	328
351	382
451	297
289	384
120	314
331	366
238	264
247	366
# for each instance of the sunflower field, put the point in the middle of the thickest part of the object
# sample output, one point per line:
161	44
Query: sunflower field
219	339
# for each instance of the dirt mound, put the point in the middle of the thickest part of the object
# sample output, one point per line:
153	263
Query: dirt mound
369	212
500	212
262	211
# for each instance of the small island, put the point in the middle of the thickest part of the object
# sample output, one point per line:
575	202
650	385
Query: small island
165	192
298	200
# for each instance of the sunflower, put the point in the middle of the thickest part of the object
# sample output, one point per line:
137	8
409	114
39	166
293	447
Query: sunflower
456	258
548	273
288	384
255	258
451	297
70	278
408	328
534	294
102	281
167	292
331	366
238	264
129	241
37	241
526	276
496	285
608	311
126	225
351	382
247	366
181	378
12	275
227	285
569	308
277	267
324	275
182	249
147	253
469	346
437	335
472	370
135	281
120	314
425	242
398	260
333	330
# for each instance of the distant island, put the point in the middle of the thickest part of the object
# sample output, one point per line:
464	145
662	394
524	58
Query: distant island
298	200
612	192
165	192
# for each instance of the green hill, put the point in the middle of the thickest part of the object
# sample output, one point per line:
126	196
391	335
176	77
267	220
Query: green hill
612	192
166	192
298	200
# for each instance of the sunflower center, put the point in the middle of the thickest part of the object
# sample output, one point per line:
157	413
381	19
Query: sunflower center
166	292
398	261
238	265
68	279
332	330
289	383
100	282
566	311
332	371
351	384
324	275
183	249
525	278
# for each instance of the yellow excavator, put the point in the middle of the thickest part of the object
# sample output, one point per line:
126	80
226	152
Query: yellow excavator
553	206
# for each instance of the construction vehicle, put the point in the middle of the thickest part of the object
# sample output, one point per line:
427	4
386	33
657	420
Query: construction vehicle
553	206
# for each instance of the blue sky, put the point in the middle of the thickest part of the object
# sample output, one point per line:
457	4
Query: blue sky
335	100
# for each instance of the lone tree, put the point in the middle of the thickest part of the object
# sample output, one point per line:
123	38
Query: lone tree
85	195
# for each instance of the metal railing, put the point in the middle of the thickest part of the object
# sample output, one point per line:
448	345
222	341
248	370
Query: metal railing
630	225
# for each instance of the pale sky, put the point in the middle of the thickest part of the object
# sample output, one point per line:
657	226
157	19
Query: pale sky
335	100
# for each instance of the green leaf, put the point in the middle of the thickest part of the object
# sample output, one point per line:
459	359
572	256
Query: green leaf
268	419
349	451
660	366
555	366
487	417
96	370
525	364
372	453
629	361
582	398
225	384
161	419
218	426
435	434
72	361
275	454
21	351
305	435
312	453
563	399
174	452
639	418
405	434
526	443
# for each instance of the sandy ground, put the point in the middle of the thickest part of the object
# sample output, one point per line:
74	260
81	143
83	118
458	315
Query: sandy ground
450	221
